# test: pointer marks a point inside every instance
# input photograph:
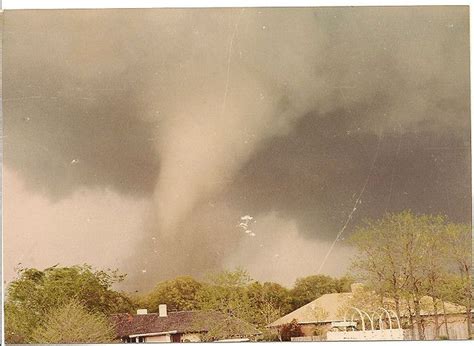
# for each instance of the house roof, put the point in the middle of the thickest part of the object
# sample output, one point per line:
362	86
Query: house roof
181	322
324	309
331	307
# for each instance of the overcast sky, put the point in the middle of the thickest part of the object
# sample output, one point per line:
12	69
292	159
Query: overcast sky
137	139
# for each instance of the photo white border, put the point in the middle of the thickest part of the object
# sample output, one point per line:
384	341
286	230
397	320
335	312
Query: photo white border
66	4
101	4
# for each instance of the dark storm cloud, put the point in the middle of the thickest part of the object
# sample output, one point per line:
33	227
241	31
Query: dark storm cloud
428	172
214	113
76	81
71	106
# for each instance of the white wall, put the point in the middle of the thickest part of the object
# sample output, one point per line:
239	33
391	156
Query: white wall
158	338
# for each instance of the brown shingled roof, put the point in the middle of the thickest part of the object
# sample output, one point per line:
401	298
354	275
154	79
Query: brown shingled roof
182	322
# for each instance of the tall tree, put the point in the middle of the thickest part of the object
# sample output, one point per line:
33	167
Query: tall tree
406	256
226	291
180	294
459	238
269	301
377	261
312	287
435	265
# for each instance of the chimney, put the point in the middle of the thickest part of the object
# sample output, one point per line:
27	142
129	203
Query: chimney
163	310
142	311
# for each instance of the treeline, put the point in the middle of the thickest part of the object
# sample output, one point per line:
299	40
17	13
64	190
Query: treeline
234	292
86	297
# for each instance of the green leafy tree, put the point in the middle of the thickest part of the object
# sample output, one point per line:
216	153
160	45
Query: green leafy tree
392	254
405	257
179	294
34	293
312	287
362	298
18	323
73	323
225	328
269	301
459	240
344	283
436	266
227	292
377	261
236	278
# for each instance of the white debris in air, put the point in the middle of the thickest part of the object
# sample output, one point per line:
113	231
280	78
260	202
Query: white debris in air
244	225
